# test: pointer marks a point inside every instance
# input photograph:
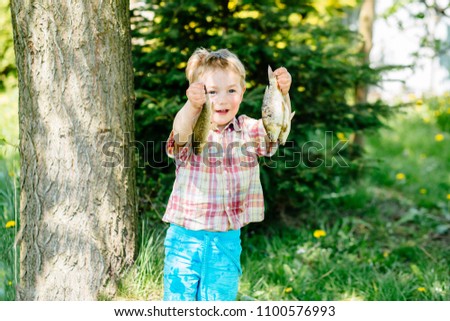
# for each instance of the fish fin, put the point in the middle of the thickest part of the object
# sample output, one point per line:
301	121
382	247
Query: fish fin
287	101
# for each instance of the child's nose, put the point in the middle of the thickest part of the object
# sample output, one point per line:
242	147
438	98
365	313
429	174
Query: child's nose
220	99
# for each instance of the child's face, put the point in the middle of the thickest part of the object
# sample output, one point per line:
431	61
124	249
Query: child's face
225	92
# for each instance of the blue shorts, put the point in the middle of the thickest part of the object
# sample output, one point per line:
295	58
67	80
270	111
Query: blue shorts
201	265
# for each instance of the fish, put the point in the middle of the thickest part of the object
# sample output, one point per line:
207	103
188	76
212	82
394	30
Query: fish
276	111
202	127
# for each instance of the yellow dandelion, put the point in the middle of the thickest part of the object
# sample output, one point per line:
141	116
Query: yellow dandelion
400	177
301	89
10	224
439	137
288	290
341	136
426	120
10	283
319	233
386	253
423	191
421	289
448	197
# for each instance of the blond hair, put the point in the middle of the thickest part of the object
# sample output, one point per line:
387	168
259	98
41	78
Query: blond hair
203	60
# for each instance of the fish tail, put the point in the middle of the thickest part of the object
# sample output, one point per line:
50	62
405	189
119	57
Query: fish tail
270	72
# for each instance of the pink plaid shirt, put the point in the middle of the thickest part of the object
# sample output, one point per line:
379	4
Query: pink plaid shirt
220	189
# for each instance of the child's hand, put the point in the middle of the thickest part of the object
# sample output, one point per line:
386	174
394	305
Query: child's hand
284	79
196	95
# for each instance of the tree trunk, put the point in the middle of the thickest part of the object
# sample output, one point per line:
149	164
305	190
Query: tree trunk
75	95
366	19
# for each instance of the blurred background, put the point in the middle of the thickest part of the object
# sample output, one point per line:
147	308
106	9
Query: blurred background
357	202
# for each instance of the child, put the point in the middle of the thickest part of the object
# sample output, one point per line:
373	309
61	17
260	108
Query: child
219	191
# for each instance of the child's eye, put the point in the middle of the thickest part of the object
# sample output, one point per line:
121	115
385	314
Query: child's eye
232	91
211	92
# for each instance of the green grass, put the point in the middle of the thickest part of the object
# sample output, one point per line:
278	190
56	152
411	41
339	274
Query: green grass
358	259
413	147
8	214
9	173
353	261
143	281
9	198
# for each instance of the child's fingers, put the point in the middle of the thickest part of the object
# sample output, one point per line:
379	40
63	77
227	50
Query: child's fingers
284	79
280	71
196	88
196	94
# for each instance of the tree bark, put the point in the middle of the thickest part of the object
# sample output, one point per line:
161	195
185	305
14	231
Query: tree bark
366	19
76	94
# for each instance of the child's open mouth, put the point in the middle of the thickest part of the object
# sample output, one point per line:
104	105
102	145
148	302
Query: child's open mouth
222	111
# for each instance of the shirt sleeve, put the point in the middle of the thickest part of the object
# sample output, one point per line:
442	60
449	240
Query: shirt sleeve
258	135
179	153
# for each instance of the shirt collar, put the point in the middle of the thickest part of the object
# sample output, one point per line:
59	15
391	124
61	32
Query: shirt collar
233	124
